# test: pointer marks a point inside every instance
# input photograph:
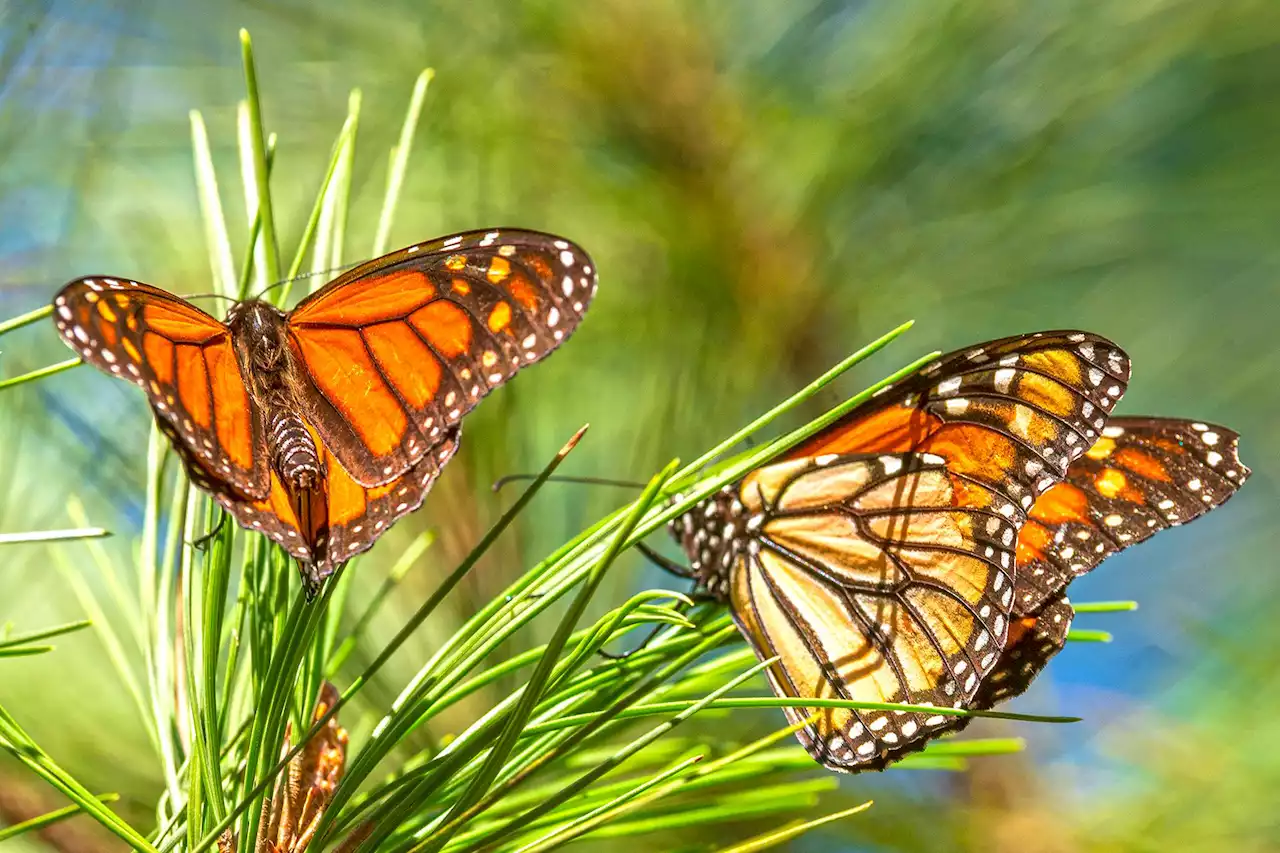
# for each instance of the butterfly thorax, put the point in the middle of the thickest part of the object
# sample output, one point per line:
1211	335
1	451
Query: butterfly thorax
260	333
713	535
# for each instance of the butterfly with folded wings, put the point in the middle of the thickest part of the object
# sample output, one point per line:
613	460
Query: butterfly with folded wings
322	426
918	550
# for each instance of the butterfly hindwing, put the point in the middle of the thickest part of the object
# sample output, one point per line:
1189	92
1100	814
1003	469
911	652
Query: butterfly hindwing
1031	643
347	519
184	361
1141	476
399	349
873	579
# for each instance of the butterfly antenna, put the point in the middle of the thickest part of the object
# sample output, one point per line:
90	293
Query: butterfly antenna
211	296
586	481
305	275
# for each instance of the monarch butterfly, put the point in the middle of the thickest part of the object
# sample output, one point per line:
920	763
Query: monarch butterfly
876	560
323	426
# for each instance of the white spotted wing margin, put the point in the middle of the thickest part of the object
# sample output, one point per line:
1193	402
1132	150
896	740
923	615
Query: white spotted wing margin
871	581
183	360
1042	399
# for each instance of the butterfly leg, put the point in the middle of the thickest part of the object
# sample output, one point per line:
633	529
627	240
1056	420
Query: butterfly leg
202	544
643	644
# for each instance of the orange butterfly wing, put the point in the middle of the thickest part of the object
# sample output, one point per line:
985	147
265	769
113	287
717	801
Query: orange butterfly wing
1011	413
400	348
1143	475
183	359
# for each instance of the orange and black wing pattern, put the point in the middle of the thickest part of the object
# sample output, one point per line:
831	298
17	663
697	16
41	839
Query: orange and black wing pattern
184	360
896	583
1032	641
399	349
1011	414
1141	476
1030	645
325	528
873	581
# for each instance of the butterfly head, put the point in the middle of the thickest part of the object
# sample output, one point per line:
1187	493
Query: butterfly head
714	534
260	332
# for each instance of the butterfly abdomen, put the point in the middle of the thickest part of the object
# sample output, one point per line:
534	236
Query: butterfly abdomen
260	332
293	451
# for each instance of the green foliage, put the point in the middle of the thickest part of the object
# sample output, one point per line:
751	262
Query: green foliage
763	189
234	656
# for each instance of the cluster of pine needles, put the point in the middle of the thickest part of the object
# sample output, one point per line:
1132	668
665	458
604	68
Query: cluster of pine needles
243	682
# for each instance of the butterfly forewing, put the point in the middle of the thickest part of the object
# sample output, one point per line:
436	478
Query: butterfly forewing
1141	476
398	350
1010	414
184	360
874	580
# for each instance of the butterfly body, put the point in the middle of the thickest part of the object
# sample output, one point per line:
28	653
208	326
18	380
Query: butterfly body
259	334
323	425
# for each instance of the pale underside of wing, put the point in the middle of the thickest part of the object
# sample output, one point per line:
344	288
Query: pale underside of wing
872	582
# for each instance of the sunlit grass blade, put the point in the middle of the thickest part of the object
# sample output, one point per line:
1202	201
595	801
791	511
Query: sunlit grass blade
218	243
533	689
45	634
792	830
317	209
411	555
26	319
400	161
110	640
24	651
569	721
327	248
54	535
15	741
975	746
1104	606
1082	635
599	815
796	399
254	265
342	190
36	824
258	140
445	587
40	374
573	788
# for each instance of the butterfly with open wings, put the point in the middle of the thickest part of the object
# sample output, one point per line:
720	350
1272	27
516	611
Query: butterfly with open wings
917	551
322	426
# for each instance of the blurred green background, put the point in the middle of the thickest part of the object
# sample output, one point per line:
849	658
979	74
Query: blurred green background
764	187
